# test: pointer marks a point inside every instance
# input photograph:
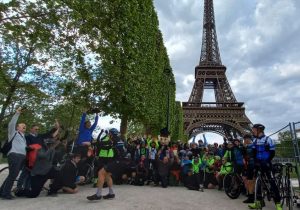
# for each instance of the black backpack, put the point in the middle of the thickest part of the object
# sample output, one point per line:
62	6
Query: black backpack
7	146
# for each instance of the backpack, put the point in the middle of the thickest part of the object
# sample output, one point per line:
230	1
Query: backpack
7	145
31	155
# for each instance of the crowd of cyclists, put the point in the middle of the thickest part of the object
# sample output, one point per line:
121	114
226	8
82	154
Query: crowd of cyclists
35	158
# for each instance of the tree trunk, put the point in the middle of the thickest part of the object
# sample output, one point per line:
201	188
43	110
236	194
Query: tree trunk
124	126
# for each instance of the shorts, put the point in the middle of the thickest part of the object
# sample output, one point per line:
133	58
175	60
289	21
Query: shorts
250	172
116	168
238	169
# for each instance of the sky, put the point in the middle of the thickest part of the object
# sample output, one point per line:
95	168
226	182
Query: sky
259	44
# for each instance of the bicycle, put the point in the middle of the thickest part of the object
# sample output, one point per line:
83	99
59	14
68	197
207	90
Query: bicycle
233	185
287	191
4	173
262	188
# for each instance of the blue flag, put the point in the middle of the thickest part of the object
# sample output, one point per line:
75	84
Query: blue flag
194	138
205	141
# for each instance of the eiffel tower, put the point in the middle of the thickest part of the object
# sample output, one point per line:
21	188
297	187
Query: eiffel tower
225	116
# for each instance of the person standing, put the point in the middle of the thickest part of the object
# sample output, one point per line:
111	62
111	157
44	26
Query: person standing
17	154
264	152
115	168
34	140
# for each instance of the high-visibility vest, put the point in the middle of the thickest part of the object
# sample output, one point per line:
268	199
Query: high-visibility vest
107	152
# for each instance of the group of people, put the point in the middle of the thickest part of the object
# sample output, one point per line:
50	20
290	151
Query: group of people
138	161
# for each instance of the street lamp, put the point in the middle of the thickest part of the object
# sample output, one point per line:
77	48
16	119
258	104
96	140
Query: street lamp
170	83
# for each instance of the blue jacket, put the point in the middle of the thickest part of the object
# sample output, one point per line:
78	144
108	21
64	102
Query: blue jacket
85	134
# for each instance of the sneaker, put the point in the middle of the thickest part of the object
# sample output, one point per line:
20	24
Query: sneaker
109	196
7	197
250	199
201	188
278	206
50	193
255	205
94	197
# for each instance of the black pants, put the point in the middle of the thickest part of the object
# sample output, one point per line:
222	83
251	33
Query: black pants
210	179
199	177
37	184
24	179
266	168
164	180
15	164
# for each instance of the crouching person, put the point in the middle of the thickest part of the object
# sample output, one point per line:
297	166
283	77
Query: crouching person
226	168
68	178
42	170
163	170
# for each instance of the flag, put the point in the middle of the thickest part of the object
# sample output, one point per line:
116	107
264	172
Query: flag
205	141
194	138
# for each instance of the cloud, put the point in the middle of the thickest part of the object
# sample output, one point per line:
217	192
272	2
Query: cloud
259	45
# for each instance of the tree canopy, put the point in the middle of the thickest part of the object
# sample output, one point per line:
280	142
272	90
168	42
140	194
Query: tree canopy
60	56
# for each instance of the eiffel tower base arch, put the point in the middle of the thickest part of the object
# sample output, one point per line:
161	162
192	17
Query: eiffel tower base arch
229	120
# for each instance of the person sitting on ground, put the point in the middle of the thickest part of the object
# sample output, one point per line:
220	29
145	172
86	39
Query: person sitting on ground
186	165
141	172
175	172
163	168
194	177
68	178
226	168
210	179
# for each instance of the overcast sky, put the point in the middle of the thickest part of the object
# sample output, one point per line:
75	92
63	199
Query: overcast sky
259	44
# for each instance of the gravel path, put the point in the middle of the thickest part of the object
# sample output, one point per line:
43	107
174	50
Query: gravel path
133	197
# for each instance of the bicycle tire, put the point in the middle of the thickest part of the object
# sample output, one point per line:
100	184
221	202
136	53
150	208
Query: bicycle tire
228	186
4	173
89	175
3	169
258	184
290	196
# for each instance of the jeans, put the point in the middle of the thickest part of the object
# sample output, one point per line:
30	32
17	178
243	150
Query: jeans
15	163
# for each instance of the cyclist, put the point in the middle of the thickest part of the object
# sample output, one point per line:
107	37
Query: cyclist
264	151
249	162
114	168
234	154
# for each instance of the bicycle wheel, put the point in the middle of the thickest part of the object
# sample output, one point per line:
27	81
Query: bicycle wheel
232	186
280	183
258	191
289	195
3	173
89	175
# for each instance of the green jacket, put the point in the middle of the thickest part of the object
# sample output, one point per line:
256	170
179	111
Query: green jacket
209	163
226	168
196	166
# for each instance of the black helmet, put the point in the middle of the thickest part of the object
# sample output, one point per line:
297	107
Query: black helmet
259	126
113	131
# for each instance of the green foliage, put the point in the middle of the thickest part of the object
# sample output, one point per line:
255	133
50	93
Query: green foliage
285	147
58	56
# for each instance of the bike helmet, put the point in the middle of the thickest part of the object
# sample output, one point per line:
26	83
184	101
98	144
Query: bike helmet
259	126
113	131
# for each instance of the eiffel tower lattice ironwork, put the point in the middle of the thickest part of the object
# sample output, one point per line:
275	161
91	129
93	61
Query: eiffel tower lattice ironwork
225	116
